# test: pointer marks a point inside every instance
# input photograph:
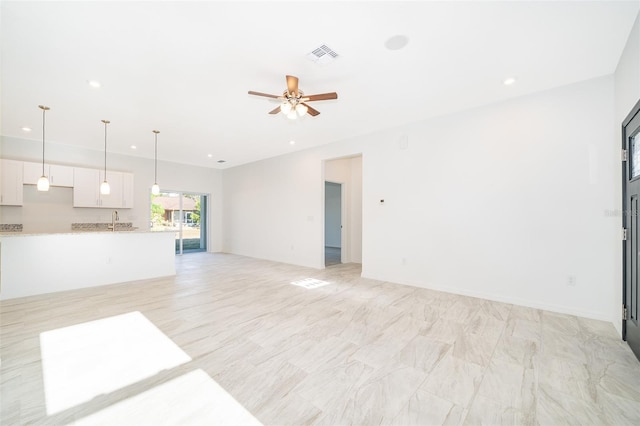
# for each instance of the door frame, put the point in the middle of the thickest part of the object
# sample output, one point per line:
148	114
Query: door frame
625	174
344	226
348	241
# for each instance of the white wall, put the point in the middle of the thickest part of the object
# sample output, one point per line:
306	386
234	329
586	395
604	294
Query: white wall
505	202
627	94
355	210
53	212
332	214
273	209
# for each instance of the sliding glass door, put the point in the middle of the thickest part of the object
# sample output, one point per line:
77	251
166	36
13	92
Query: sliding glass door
182	212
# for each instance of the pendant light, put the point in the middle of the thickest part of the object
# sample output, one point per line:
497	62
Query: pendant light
43	182
105	189
155	189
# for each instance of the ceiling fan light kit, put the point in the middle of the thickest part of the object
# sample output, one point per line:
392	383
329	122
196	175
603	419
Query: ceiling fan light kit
294	101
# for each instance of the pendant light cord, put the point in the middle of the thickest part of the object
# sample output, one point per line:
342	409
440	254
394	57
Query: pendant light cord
155	169
44	110
105	148
43	115
155	174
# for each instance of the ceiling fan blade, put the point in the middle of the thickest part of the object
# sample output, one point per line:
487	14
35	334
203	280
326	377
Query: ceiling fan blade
266	95
321	97
275	111
311	111
292	85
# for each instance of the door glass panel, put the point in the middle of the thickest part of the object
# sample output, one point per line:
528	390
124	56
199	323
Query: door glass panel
183	213
165	212
192	206
635	156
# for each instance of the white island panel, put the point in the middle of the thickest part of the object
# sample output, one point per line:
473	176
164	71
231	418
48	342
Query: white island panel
47	263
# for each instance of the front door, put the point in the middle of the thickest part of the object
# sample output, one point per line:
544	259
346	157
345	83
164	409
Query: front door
631	209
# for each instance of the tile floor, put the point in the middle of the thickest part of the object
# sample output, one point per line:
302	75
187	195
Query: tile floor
353	351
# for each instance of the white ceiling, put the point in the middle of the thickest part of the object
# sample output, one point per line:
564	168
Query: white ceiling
184	68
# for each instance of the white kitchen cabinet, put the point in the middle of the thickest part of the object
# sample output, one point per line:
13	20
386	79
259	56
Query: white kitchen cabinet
127	190
61	175
10	182
32	171
86	189
58	175
114	199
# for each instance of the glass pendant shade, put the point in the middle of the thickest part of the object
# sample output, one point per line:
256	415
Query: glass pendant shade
43	183
105	189
285	108
155	189
301	109
292	115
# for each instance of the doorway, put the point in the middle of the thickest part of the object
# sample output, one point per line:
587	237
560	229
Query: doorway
342	202
630	208
332	223
185	213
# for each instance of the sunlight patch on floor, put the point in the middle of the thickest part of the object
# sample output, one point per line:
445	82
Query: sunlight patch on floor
310	283
85	360
191	399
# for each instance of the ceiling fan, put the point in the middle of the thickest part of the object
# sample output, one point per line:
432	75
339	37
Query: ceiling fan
294	101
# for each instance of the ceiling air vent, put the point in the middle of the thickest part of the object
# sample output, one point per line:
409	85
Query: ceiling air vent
322	55
222	161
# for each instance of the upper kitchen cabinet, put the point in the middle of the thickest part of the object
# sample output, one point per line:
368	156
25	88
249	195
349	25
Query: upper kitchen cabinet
10	182
114	198
58	175
127	190
86	189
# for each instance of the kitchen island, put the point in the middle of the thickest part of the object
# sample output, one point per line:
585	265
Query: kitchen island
32	264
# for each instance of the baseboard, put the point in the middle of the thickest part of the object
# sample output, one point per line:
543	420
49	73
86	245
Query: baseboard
503	299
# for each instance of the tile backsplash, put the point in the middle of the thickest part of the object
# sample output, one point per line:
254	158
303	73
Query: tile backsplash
120	226
10	227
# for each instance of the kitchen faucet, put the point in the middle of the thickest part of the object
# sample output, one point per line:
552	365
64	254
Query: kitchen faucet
114	219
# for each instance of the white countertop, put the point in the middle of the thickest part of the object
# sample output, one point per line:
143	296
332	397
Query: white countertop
28	234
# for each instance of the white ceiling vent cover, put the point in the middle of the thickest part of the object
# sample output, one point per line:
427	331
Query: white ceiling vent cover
322	55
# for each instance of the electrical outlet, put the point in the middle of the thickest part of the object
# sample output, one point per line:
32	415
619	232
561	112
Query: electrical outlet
571	280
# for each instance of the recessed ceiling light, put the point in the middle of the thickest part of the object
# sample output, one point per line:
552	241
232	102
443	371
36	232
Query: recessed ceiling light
134	147
396	42
509	81
209	155
292	142
26	129
94	83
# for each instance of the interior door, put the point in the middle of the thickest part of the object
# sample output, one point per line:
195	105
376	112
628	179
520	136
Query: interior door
631	196
332	223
